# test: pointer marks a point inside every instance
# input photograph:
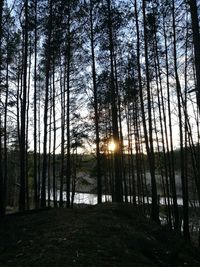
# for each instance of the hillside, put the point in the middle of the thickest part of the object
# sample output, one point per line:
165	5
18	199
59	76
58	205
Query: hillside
105	235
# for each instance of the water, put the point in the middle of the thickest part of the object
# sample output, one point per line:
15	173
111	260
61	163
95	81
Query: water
83	198
91	199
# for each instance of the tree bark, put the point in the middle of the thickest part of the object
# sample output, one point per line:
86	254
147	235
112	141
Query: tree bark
36	200
22	193
118	194
196	42
171	153
150	152
2	209
179	95
46	104
99	182
68	174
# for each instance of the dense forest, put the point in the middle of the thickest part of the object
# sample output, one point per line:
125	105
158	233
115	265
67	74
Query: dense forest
112	87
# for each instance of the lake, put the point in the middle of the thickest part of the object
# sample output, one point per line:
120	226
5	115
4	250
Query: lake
91	199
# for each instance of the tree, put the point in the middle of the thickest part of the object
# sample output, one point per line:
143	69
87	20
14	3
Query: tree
179	95
150	151
196	42
171	146
115	130
36	199
2	196
22	197
99	182
46	105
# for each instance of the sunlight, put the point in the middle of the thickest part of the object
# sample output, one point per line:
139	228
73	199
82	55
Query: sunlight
111	146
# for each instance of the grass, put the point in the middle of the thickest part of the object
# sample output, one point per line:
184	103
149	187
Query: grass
102	235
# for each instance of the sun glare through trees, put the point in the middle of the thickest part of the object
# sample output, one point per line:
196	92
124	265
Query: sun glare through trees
111	146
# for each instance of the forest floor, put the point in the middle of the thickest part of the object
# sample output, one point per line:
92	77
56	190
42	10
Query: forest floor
101	235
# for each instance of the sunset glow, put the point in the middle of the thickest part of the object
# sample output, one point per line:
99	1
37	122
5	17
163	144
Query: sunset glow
111	146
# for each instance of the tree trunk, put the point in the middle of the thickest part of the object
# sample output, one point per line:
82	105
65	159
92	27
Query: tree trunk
99	182
46	104
68	174
54	143
22	193
118	194
196	42
178	90
171	153
36	200
2	209
62	91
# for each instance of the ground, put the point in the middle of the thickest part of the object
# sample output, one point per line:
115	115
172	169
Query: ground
102	235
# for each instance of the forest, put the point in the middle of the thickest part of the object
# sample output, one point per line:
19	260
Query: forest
105	89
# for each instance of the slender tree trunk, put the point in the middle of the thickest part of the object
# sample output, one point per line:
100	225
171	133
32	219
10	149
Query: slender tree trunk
1	34
121	141
196	42
171	153
186	209
49	150
68	174
157	71
150	152
138	161
36	200
27	129
178	90
162	118
5	178
2	198
62	89
22	193
39	144
99	182
54	143
2	209
131	173
46	104
118	175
